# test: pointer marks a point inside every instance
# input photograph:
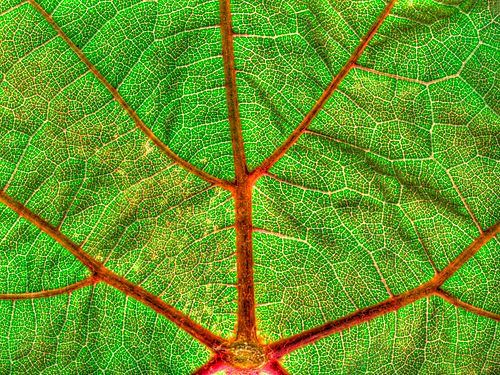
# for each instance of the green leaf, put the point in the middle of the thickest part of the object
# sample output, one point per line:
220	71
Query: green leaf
261	187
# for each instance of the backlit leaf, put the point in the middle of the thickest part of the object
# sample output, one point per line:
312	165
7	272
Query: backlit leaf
261	187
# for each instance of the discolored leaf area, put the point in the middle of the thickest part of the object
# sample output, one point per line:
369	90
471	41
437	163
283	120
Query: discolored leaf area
249	187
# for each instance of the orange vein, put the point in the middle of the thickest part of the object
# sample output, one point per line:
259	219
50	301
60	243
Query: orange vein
52	292
103	274
226	28
289	344
117	96
292	139
464	305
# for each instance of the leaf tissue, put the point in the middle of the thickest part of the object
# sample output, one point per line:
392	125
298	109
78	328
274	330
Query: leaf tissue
249	187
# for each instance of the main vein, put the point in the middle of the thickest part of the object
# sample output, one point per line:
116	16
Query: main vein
133	115
432	287
226	28
103	274
301	128
246	325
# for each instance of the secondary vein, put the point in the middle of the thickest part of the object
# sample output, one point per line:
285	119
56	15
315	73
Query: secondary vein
133	115
301	128
432	287
103	274
466	306
51	292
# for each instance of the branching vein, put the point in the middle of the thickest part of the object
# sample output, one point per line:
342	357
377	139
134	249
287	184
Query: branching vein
464	305
133	115
52	292
292	139
432	287
105	275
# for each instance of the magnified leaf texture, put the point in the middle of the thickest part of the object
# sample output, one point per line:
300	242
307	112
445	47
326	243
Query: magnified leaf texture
249	187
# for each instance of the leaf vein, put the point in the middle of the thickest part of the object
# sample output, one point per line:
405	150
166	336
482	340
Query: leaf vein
133	115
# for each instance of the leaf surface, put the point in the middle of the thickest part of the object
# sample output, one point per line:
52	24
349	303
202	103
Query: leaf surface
303	187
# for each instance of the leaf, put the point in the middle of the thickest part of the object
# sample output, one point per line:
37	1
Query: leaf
303	187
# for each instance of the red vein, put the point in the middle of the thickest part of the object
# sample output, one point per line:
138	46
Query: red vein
103	274
226	29
292	139
275	368
289	344
212	366
133	115
464	305
52	292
